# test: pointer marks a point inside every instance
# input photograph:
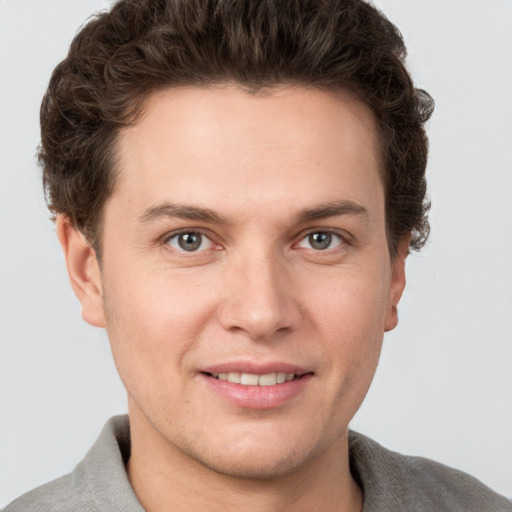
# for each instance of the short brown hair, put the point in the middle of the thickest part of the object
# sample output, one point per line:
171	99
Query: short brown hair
121	56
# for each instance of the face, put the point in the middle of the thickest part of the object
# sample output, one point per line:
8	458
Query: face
246	281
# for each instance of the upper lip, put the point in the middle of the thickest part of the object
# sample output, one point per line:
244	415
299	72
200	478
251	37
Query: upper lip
254	368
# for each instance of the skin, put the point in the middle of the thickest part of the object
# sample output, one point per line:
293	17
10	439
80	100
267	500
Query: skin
256	291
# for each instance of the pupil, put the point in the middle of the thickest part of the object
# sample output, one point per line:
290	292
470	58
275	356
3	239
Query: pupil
190	241
320	241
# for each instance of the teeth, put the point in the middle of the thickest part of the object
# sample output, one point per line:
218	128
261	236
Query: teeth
270	379
251	379
233	377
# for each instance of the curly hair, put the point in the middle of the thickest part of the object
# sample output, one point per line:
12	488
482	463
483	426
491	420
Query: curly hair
121	56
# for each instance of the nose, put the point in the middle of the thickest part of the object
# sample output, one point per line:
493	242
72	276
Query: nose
258	297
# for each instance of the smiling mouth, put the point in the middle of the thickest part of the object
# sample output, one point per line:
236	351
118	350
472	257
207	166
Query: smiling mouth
252	379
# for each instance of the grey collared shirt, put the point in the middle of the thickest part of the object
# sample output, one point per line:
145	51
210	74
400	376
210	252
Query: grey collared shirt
390	481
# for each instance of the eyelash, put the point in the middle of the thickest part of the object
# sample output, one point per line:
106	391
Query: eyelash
341	236
196	231
330	232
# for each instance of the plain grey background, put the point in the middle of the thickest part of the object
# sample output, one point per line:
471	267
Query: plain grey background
444	385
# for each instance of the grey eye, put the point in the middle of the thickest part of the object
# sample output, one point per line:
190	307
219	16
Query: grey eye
190	241
320	241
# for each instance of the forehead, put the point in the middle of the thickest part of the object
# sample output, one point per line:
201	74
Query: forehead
205	145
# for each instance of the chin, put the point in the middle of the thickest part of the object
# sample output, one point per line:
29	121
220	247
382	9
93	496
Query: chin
256	457
265	466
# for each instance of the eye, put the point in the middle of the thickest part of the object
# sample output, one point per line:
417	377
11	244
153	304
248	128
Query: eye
190	241
321	240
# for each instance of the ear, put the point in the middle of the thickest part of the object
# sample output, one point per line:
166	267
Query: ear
83	270
397	284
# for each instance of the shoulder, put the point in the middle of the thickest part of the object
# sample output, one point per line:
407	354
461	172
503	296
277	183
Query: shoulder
63	494
415	483
98	483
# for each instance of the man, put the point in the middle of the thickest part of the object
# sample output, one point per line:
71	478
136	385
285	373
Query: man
236	189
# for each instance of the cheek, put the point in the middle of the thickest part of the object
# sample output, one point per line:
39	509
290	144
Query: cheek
153	321
354	303
350	318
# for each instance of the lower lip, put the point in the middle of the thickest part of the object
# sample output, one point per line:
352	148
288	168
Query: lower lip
257	397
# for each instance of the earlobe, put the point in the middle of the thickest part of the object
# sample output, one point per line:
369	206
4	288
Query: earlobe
83	270
397	285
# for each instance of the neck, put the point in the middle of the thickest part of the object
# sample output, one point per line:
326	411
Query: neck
165	478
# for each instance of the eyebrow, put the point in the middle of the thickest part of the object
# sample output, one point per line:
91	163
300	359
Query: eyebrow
166	210
334	209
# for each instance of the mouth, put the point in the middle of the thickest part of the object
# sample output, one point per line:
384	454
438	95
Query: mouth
254	379
251	385
257	388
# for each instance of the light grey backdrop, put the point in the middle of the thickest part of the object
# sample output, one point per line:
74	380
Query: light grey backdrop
444	385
